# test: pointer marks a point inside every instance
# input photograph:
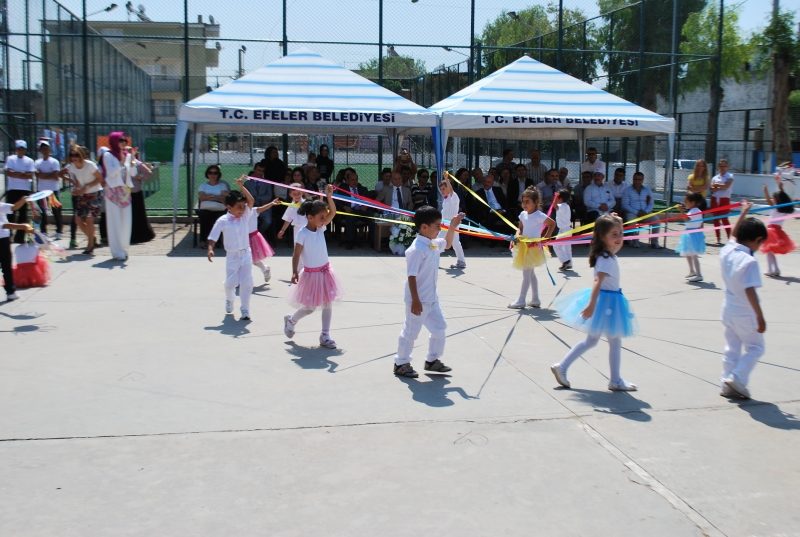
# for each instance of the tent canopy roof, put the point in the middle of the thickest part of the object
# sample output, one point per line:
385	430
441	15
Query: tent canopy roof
304	93
530	100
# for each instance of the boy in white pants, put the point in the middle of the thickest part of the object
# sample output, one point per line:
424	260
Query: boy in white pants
450	205
741	313
564	223
422	298
238	261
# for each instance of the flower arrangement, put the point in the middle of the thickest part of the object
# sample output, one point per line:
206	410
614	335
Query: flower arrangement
401	236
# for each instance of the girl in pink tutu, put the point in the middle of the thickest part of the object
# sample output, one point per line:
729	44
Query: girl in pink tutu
316	286
778	242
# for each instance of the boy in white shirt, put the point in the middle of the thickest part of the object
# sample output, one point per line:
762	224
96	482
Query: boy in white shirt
421	296
564	224
741	313
238	258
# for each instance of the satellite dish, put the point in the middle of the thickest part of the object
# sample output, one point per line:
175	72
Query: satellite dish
211	19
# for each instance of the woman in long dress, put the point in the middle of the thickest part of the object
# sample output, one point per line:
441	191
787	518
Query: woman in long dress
141	230
119	169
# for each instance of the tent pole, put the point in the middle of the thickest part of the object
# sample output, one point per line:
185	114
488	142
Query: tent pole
180	138
197	138
669	174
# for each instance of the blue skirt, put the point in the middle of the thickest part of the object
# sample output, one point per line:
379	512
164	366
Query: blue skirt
691	244
612	316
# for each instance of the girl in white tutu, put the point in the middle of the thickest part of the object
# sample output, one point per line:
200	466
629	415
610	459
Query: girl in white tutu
316	285
693	245
529	255
602	310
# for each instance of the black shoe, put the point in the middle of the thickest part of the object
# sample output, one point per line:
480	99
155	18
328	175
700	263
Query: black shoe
437	366
405	370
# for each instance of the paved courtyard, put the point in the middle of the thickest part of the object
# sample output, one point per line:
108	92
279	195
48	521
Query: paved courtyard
132	405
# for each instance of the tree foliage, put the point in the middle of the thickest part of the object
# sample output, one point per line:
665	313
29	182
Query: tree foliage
395	69
541	22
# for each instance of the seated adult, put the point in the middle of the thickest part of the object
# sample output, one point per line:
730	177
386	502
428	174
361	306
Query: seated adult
396	195
494	197
537	171
324	163
597	197
262	193
464	197
564	180
313	178
505	179
299	176
405	165
423	193
515	188
477	179
274	168
350	222
385	180
211	197
549	188
637	200
618	187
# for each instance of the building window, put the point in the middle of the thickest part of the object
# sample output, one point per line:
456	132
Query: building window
163	107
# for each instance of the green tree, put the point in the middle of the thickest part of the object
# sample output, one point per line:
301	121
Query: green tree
778	49
623	32
540	24
701	33
395	70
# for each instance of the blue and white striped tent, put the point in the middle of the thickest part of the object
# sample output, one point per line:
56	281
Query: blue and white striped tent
299	93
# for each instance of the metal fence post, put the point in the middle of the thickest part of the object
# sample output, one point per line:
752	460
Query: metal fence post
186	81
380	76
285	137
718	83
746	138
561	33
85	40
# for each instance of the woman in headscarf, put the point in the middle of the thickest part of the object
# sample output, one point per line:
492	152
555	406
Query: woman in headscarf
119	171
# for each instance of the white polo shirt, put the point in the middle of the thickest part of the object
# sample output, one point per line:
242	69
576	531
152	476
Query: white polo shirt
422	261
21	165
593	167
594	196
739	272
237	230
47	166
721	180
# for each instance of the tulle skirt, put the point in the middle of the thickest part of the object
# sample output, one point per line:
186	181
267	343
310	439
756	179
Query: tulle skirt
36	274
613	315
778	242
317	288
527	255
691	244
260	247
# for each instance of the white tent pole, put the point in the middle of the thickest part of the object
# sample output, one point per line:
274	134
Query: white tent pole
181	129
195	150
581	152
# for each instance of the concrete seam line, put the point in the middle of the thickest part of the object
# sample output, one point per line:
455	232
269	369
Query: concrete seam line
699	520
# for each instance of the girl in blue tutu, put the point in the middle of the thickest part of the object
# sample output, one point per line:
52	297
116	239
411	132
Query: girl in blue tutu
693	244
602	310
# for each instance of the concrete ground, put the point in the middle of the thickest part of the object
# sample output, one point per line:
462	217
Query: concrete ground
132	405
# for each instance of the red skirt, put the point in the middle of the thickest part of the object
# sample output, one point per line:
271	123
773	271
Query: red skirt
778	242
36	274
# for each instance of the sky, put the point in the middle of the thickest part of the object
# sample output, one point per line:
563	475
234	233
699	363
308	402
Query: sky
426	22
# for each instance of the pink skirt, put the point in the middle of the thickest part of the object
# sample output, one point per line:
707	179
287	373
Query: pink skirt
36	274
260	247
778	242
317	288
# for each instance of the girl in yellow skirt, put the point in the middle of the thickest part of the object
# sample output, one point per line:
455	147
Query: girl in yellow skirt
528	255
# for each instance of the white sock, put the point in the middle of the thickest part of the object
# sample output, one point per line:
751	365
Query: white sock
260	264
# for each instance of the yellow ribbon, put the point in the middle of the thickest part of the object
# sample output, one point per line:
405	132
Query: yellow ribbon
503	218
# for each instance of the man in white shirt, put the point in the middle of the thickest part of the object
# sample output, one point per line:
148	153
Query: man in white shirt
19	176
593	162
618	186
597	197
536	170
563	179
637	201
48	174
396	195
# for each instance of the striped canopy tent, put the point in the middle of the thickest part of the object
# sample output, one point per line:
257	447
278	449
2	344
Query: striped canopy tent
301	93
528	100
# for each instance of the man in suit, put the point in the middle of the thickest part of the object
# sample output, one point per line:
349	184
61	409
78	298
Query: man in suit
516	186
350	222
494	197
396	195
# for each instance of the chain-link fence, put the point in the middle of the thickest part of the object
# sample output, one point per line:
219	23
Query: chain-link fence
75	75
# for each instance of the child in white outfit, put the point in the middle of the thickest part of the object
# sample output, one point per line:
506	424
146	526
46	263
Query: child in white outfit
421	296
741	313
450	206
238	261
564	224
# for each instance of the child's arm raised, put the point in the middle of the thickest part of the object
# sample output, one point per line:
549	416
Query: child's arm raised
240	184
767	195
331	205
598	281
296	262
745	209
452	230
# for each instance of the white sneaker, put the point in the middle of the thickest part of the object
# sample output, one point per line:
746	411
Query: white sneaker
697	278
517	305
561	375
245	315
267	274
535	304
622	386
459	265
288	326
229	306
738	387
727	392
12	296
691	275
58	236
326	341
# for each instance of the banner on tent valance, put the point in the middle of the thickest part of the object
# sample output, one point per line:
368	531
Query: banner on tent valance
559	120
299	116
